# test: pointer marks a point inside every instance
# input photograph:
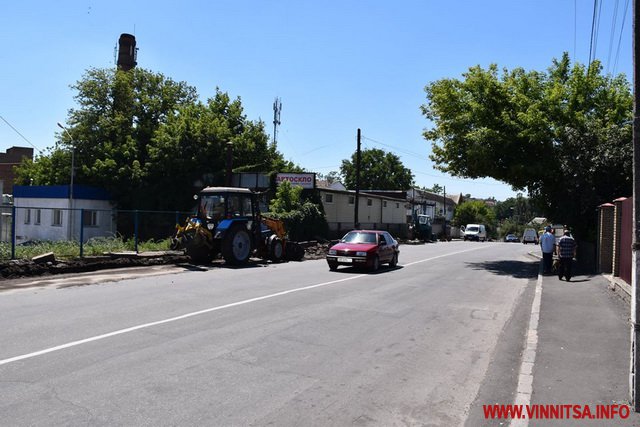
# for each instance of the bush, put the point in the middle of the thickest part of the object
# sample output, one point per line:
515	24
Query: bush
305	223
303	220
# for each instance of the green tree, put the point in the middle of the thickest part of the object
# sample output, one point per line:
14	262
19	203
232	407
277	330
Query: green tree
304	219
287	199
148	140
518	209
475	212
436	189
379	170
564	135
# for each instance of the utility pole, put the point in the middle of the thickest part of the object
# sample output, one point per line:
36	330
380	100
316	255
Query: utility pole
356	222
634	378
73	166
229	174
444	210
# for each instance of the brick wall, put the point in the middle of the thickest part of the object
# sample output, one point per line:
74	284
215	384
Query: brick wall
13	157
606	238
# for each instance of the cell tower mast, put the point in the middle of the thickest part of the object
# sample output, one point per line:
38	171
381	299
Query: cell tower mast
277	107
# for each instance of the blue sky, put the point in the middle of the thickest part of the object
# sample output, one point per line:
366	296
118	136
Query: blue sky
336	65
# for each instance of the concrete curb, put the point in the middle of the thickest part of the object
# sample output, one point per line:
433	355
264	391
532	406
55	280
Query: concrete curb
619	286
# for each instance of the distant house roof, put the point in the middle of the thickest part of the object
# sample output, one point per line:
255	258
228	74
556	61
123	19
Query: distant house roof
80	192
335	185
418	195
538	220
363	193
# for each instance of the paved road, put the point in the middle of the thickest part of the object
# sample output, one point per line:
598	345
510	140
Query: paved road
288	344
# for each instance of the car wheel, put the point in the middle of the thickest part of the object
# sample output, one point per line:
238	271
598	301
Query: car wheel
375	263
333	266
394	260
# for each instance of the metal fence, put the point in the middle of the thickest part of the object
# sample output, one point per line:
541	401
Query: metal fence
72	231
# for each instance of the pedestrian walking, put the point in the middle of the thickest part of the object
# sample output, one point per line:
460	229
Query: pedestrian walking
566	252
548	246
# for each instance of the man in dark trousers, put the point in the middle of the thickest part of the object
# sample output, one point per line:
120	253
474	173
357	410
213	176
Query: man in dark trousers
566	252
548	246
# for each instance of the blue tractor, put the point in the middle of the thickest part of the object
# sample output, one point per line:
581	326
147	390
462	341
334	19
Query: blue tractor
228	223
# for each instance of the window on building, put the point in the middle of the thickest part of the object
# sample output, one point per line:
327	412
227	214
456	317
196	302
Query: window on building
57	217
38	216
352	200
384	204
328	198
397	205
90	218
27	216
369	202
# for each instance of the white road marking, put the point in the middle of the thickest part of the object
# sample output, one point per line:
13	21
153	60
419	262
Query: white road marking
525	378
444	255
197	313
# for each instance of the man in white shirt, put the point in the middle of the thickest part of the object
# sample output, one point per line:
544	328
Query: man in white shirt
548	245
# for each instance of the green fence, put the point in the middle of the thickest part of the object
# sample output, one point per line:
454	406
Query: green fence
29	231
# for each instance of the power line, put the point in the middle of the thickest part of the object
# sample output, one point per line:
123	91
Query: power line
23	137
458	179
575	27
624	17
614	22
592	48
402	150
411	153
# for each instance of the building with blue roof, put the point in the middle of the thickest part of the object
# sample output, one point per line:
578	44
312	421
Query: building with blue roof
54	212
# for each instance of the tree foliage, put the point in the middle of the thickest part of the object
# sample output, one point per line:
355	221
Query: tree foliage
304	219
475	212
564	135
518	209
379	170
150	142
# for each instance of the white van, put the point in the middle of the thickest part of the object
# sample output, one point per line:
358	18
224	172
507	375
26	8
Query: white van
476	232
530	235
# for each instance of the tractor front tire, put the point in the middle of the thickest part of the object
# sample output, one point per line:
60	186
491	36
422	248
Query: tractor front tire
236	246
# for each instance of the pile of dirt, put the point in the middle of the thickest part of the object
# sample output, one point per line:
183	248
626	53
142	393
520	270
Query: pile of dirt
315	250
27	268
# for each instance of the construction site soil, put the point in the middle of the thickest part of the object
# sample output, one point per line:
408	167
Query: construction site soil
51	266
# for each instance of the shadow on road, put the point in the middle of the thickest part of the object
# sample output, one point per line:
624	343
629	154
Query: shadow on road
360	270
517	269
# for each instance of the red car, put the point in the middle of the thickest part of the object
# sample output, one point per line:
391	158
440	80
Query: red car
364	248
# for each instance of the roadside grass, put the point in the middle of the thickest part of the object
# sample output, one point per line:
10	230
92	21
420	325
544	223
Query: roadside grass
70	250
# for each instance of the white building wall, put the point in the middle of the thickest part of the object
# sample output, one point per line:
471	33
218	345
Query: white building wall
340	210
46	230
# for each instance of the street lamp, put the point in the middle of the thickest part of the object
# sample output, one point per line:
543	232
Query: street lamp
71	181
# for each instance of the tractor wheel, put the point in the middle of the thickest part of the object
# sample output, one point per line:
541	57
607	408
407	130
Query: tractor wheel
276	249
294	251
198	254
236	246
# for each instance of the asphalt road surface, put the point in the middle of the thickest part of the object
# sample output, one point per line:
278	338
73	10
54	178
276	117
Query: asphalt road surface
285	345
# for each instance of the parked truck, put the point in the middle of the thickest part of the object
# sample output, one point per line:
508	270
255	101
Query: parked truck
228	222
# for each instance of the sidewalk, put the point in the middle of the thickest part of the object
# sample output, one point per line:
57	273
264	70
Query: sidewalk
582	354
